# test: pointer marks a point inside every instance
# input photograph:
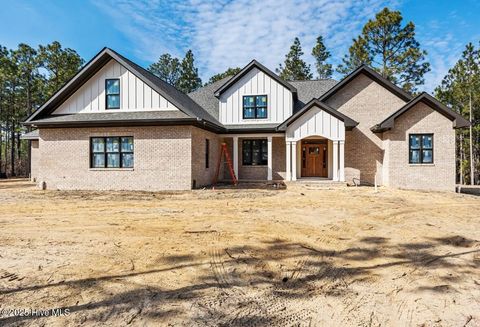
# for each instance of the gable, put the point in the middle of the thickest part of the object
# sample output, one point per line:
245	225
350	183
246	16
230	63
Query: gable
365	100
422	100
255	82
135	95
316	121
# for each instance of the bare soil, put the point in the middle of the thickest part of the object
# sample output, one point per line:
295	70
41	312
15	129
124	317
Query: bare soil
304	256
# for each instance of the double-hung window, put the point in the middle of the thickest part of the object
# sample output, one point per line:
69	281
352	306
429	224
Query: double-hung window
111	152
112	93
254	106
255	152
421	148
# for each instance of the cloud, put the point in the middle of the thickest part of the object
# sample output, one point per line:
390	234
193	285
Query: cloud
443	49
230	33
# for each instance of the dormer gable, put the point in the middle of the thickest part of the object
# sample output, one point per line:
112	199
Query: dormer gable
255	95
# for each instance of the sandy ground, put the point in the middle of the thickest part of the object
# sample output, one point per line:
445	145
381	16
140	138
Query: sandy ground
304	256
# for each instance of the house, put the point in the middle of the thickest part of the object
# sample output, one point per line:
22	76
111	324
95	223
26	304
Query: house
115	126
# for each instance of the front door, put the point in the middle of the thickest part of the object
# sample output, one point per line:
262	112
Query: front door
314	160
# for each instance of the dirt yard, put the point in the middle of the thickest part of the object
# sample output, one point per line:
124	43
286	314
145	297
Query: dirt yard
298	257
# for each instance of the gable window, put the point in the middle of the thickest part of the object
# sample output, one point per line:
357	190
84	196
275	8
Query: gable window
111	152
112	91
421	148
254	106
255	152
207	153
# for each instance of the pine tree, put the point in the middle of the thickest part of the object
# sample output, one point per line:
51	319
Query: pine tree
61	64
295	68
189	80
167	68
460	89
321	55
357	56
390	49
228	72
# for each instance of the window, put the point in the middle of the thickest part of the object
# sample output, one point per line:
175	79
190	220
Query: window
255	152
421	148
112	91
111	152
254	106
207	153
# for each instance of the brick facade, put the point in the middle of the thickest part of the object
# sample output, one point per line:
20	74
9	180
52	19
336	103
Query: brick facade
173	157
437	176
201	175
34	160
368	103
162	159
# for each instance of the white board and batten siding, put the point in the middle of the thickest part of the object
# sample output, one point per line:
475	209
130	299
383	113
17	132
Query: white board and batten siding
135	95
256	82
316	122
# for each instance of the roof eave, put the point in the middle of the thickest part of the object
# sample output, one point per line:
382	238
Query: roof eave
373	75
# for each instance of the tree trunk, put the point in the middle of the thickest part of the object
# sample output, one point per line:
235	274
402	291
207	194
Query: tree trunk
472	166
20	167
12	151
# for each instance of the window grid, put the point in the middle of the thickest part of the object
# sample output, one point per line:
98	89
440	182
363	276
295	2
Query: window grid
417	151
257	105
124	156
112	94
255	152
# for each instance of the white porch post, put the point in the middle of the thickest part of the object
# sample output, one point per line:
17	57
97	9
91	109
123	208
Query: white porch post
294	161
335	160
342	161
288	150
235	155
269	160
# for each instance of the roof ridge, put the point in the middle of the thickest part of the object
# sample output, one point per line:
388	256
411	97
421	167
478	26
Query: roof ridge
314	80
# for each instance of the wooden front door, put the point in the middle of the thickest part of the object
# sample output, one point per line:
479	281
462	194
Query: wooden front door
314	160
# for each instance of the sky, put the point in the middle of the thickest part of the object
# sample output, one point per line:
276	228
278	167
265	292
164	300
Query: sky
230	33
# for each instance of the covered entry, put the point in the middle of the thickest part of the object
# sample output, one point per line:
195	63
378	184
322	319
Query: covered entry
314	158
315	142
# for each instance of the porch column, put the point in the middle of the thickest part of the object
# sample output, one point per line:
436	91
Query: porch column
342	161
294	160
335	160
288	150
235	155
269	159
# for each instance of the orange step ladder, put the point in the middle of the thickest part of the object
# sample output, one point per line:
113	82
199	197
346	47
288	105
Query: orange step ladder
224	152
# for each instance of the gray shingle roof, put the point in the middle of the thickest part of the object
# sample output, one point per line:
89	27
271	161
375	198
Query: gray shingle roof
205	97
179	99
184	100
138	116
308	90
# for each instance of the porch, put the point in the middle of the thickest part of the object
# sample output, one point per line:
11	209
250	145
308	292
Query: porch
310	144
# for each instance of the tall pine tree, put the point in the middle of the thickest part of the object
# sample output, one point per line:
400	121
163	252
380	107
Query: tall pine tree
189	80
167	68
294	67
460	89
61	63
390	49
321	55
